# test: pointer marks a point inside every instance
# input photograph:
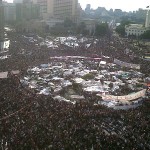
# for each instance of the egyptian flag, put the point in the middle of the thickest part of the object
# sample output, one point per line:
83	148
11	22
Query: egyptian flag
147	7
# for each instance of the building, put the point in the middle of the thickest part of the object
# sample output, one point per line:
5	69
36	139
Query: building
147	23
53	21
21	11
22	1
10	12
59	9
46	8
134	29
118	12
65	8
33	26
24	14
90	25
88	8
138	29
17	1
1	21
27	11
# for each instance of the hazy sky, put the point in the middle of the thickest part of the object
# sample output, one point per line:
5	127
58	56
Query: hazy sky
125	5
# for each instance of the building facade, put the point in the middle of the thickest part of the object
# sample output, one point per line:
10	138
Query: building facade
1	21
46	8
27	11
134	29
10	12
138	29
21	11
65	8
18	1
147	23
60	9
53	21
90	25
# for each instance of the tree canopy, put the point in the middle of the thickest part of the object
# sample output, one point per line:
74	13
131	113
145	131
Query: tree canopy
101	29
146	35
81	29
121	28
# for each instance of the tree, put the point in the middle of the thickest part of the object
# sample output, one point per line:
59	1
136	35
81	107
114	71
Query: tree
81	29
101	29
68	23
146	35
121	28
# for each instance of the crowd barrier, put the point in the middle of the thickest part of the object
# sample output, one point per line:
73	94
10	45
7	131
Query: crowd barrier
125	64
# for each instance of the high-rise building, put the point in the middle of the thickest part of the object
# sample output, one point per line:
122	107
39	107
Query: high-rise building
22	1
66	9
60	9
17	1
1	21
88	8
9	12
147	23
27	11
46	7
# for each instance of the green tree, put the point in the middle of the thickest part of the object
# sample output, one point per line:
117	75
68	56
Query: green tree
121	28
146	35
81	29
68	23
101	29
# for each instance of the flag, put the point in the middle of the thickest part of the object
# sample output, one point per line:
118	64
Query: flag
147	7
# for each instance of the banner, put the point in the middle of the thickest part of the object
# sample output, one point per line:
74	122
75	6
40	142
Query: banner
76	57
130	97
3	75
125	64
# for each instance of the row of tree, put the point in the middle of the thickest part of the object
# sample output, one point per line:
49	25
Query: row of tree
68	27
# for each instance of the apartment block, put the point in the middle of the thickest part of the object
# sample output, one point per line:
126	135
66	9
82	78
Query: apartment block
1	21
60	9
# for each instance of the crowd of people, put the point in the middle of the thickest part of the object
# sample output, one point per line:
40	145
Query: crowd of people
25	52
30	121
39	122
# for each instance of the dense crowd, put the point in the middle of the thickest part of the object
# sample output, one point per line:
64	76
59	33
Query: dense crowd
25	52
30	121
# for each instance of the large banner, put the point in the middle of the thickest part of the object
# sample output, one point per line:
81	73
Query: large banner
130	97
128	65
76	57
